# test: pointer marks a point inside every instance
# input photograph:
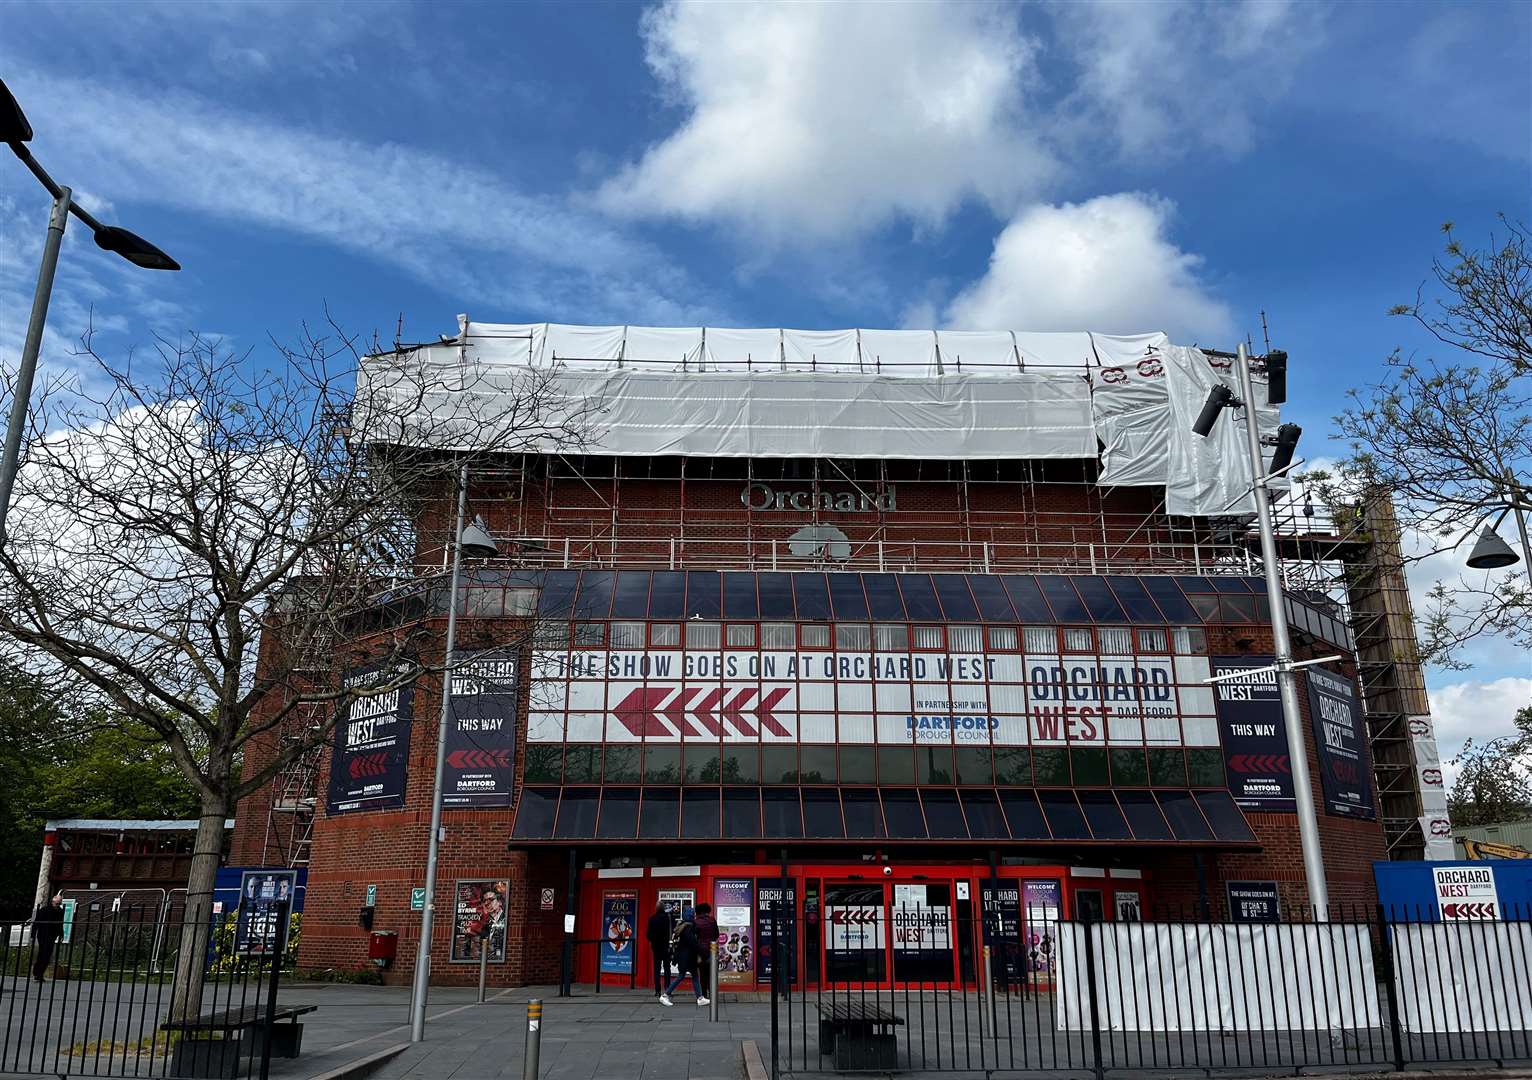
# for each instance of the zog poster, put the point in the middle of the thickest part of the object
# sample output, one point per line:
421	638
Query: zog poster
481	738
1341	742
619	915
478	920
371	751
1255	753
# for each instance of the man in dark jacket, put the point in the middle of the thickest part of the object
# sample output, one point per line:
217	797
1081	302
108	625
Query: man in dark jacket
689	960
47	928
657	934
707	936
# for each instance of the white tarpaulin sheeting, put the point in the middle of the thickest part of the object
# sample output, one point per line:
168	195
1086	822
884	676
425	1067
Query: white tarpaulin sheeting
1464	976
913	394
1218	977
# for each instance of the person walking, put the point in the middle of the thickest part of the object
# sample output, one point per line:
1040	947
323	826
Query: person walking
47	928
707	936
657	933
689	960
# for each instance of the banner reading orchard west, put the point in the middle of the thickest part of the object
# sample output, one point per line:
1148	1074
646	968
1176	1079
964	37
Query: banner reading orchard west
1255	752
481	740
1341	741
372	745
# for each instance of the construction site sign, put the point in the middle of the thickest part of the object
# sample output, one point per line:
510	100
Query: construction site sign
1466	893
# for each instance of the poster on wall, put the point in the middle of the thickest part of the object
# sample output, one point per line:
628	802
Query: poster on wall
1341	742
1255	752
619	915
371	751
778	911
1042	901
676	902
1466	893
920	924
481	739
265	906
478	920
1254	901
733	905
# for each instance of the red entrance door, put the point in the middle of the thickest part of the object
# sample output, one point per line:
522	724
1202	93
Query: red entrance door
882	934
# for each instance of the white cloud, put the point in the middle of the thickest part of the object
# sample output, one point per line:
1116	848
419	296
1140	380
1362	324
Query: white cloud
827	118
1107	264
1167	78
449	223
1478	710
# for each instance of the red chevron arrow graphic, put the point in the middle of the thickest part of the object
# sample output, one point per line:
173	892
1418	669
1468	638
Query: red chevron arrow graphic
731	710
365	765
479	759
706	714
675	712
764	715
636	712
1473	910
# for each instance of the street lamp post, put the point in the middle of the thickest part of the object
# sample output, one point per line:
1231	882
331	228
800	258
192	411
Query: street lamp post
16	132
475	542
1489	551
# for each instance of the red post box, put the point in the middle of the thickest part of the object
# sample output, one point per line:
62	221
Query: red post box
382	947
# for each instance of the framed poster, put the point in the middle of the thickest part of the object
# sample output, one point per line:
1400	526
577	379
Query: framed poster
478	920
1042	908
619	915
481	739
734	907
778	909
1002	926
1255	753
1253	901
1127	905
1340	742
370	755
265	909
676	902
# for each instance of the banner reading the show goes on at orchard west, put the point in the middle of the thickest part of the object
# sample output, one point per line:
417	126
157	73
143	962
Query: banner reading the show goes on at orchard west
883	697
372	745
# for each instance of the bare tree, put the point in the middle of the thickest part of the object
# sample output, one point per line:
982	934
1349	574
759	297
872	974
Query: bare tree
159	527
1451	440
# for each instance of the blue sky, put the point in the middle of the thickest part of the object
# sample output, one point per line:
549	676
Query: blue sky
1117	167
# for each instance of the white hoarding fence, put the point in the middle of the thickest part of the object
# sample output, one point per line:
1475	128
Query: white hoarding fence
1218	977
1464	976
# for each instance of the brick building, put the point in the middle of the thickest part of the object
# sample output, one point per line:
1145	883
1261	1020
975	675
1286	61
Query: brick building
929	617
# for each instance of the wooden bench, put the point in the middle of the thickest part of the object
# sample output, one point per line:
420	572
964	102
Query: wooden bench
859	1033
208	1046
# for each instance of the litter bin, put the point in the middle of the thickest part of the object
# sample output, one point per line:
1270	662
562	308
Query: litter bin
382	947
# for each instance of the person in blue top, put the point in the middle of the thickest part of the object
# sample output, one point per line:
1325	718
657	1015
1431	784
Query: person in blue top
688	954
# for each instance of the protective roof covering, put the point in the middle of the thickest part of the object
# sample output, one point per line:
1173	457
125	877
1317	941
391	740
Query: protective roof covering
859	393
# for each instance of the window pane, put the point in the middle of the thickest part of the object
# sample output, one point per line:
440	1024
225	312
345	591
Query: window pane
1222	813
701	763
631	598
1129	768
1102	815
1089	766
896	765
665	635
975	765
582	764
1143	815
1099	599
739	596
1135	601
1206	607
534	813
595	597
864	815
944	818
1116	640
846	592
1167	768
858	764
1062	598
776	591
1027	598
619	814
621	765
1152	639
702	594
589	634
811	596
662	764
994	604
780	811
901	808
816	764
741	635
741	763
557	599
628	635
821	814
543	762
919	597
667	595
1190	639
1024	815
1064	816
779	764
883	600
520	602
887	638
702	635
577	814
1002	637
952	591
1186	820
1051	766
1169	599
927	637
964	639
1041	639
933	765
699	814
779	637
814	635
741	812
985	821
852	637
1205	768
1013	765
659	817
1077	639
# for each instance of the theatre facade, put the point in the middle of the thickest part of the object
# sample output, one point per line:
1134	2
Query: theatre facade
924	685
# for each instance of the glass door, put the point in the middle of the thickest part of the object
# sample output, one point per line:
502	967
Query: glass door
855	934
924	944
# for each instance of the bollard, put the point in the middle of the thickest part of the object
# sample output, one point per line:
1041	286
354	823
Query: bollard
483	967
712	981
534	1038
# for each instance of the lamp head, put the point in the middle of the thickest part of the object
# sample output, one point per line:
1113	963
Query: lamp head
476	543
134	248
1276	377
1490	552
1287	442
13	122
1219	398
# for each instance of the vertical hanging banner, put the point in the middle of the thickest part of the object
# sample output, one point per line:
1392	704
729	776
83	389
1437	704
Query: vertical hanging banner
619	915
733	907
778	914
1255	751
1341	742
370	756
481	738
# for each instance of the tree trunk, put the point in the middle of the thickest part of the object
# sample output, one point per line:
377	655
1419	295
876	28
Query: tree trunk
197	927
